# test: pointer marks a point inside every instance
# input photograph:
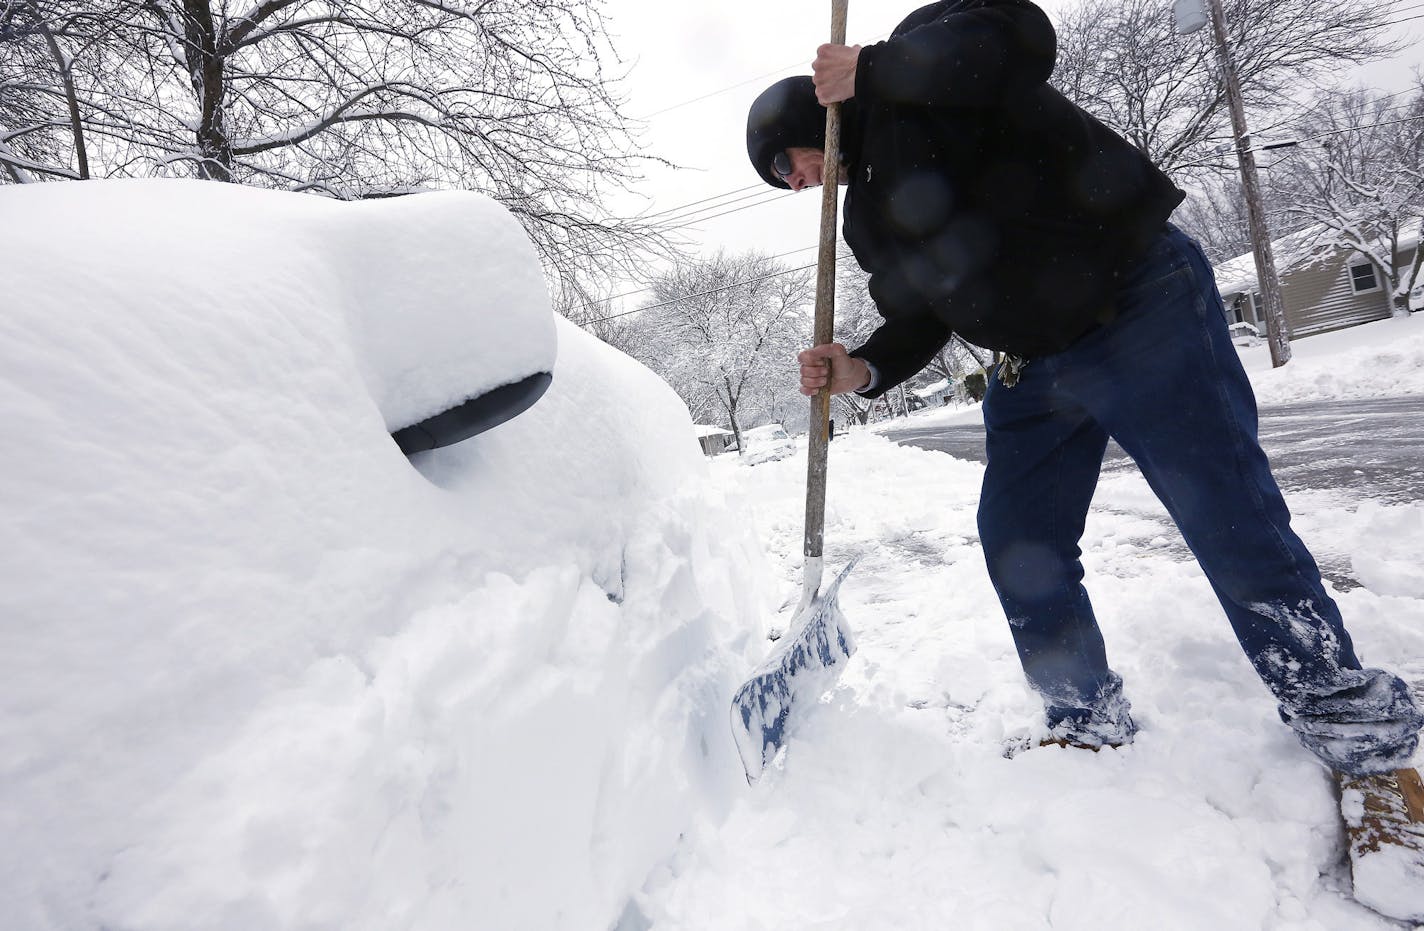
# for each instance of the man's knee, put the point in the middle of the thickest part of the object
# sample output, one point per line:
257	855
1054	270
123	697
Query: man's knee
1028	571
995	537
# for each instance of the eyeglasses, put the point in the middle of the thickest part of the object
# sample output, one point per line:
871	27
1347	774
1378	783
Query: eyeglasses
781	164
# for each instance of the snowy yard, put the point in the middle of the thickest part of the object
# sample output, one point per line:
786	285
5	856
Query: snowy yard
897	808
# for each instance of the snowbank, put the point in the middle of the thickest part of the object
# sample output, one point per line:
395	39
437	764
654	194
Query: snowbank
1381	359
256	671
897	806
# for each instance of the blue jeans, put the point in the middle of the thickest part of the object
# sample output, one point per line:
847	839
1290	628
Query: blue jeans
1164	380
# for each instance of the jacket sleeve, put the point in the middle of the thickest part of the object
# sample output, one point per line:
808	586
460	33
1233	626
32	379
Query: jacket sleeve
965	53
900	347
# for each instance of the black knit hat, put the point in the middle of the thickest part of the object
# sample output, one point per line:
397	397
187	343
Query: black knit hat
786	114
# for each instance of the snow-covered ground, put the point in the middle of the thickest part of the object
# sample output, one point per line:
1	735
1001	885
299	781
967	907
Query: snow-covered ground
256	671
896	808
259	672
1382	359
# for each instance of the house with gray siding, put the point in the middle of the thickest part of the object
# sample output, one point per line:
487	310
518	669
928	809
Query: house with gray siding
1330	292
713	440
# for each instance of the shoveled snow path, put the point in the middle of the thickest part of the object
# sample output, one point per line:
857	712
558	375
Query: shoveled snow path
895	807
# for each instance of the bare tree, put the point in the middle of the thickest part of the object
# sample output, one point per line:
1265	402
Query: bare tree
1214	213
28	119
1357	181
959	359
856	318
587	304
724	332
358	98
45	88
1123	62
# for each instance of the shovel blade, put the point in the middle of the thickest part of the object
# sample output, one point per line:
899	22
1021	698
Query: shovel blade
801	668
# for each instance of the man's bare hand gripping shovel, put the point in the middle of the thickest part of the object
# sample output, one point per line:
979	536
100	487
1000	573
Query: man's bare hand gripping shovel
806	662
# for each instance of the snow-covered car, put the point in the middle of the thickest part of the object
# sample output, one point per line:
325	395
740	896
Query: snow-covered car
248	639
766	444
1245	335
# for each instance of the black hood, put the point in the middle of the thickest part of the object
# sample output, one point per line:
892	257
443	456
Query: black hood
785	115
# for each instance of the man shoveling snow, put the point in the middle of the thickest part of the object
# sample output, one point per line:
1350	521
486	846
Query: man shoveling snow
984	203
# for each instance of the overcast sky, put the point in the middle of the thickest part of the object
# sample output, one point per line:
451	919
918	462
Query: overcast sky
726	52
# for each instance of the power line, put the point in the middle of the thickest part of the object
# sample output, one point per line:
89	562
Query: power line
1355	129
609	300
693	221
704	200
688	297
720	91
717	290
1373	100
732	87
1345	129
697	216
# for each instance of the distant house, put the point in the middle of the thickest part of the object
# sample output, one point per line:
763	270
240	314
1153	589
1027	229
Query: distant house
1337	290
714	440
936	394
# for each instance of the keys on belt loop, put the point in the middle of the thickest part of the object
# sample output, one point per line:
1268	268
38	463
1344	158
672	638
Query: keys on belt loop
1010	368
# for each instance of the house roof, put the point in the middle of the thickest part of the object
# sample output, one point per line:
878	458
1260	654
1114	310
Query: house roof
1238	275
702	429
930	391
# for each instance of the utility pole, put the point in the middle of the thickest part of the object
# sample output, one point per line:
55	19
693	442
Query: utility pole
1276	334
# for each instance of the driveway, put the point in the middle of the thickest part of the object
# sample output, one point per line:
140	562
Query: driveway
1370	448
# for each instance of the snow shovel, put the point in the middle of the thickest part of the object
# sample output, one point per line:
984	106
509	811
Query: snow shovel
807	660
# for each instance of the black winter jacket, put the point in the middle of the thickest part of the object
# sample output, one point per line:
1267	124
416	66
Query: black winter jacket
980	200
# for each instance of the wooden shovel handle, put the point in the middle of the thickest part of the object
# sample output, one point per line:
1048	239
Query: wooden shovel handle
824	331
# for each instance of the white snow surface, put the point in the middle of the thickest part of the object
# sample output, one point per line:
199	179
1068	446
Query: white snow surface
257	672
896	807
1382	359
443	297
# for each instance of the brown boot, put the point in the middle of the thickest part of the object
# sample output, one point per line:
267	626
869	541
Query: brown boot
1384	823
1065	743
1016	745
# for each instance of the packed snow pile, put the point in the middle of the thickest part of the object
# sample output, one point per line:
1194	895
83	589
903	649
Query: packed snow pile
1382	359
914	798
443	294
257	671
1379	560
